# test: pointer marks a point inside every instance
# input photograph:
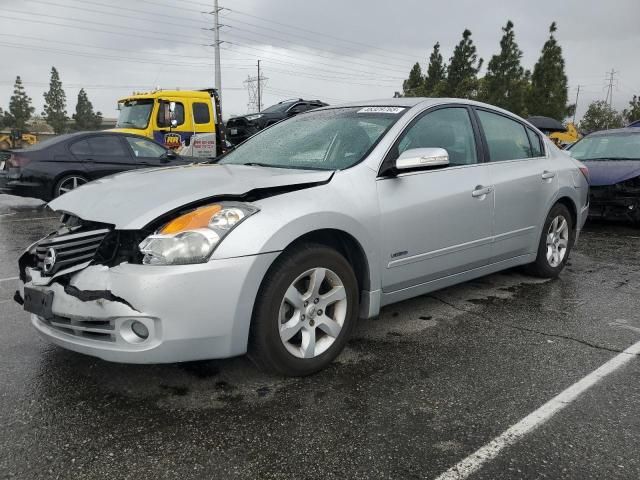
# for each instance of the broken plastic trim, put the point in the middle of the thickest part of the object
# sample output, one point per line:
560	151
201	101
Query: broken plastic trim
92	295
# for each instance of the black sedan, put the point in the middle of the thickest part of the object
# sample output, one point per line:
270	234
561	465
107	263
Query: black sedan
53	167
241	128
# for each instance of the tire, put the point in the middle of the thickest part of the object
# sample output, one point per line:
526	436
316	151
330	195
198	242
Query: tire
287	297
547	265
68	180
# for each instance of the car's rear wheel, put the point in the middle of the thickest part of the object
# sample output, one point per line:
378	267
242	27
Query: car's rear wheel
68	183
304	312
555	243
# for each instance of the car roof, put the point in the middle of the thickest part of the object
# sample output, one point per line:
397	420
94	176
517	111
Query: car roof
410	102
614	131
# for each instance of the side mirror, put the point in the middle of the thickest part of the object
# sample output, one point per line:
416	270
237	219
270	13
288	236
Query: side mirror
174	123
422	158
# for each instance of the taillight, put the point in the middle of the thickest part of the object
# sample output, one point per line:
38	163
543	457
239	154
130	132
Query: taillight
17	161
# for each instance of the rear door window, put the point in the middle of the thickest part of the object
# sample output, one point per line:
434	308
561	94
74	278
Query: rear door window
201	113
81	148
107	146
536	144
506	138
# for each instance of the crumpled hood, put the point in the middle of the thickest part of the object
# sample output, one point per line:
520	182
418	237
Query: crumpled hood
133	199
610	172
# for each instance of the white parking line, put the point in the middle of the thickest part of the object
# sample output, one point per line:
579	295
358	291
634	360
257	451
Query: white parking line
476	460
10	279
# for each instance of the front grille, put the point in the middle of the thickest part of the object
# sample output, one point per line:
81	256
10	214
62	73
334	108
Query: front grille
68	250
101	330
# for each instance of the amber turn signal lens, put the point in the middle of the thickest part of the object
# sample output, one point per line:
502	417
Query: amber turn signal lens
198	218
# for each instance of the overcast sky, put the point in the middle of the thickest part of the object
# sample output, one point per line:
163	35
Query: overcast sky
332	50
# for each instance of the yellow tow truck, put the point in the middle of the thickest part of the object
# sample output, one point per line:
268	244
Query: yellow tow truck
569	136
188	121
16	139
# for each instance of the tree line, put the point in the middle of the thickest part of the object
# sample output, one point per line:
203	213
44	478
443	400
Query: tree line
507	84
21	109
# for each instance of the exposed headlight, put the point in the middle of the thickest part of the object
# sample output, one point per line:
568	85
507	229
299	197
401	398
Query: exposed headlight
251	118
192	237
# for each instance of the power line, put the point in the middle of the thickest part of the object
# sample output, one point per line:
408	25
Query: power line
322	35
377	65
244	45
75	44
103	24
310	41
111	32
93	55
74	7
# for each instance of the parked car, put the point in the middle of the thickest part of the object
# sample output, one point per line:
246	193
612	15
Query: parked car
56	166
241	128
314	222
613	158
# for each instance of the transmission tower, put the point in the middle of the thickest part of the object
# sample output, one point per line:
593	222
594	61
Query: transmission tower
255	88
612	82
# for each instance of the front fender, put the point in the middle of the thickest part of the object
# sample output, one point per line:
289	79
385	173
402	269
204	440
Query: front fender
350	207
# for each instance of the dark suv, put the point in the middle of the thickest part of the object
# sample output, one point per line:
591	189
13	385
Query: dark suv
241	128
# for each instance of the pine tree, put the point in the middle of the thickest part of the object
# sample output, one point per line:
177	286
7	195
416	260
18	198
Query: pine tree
436	74
506	82
85	118
55	104
632	113
600	116
464	65
549	89
20	109
412	87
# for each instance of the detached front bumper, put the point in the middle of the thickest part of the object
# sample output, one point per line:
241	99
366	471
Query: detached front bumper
191	312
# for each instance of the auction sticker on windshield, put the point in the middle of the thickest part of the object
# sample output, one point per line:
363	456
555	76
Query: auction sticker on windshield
381	110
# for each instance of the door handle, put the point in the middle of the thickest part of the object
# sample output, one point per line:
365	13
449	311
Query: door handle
546	175
481	191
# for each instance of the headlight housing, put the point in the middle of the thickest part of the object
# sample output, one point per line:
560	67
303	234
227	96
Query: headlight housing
192	237
251	118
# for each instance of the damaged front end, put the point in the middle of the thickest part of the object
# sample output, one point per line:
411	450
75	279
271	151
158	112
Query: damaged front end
54	266
620	201
89	289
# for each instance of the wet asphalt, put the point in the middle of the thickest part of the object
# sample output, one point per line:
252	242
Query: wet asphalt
417	390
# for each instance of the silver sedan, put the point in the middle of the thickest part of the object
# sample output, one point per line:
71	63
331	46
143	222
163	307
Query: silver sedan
280	246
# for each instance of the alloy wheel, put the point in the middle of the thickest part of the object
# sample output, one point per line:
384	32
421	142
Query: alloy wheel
312	313
70	183
557	241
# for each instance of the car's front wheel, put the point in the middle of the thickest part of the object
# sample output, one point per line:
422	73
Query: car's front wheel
304	312
555	243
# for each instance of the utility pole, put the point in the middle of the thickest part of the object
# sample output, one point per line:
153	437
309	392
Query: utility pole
259	89
575	109
216	32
